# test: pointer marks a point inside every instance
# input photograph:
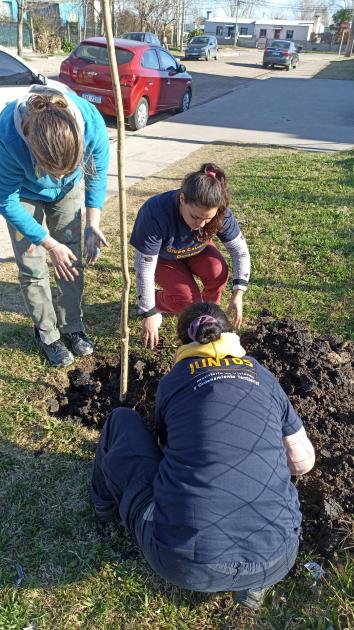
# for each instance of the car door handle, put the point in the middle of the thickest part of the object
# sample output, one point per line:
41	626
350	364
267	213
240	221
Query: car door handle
168	82
150	83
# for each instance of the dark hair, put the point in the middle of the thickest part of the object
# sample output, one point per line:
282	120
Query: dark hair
207	331
207	188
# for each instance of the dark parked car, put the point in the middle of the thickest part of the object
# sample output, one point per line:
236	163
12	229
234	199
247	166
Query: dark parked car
281	52
148	38
204	46
151	79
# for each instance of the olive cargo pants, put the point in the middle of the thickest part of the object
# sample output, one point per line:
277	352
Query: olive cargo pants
63	218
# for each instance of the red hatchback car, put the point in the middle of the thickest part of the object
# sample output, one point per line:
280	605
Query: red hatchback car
151	80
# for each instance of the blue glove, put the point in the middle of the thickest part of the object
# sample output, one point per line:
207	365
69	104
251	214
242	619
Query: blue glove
92	244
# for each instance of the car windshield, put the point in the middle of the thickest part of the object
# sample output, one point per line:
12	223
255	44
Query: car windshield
200	40
99	54
279	44
137	37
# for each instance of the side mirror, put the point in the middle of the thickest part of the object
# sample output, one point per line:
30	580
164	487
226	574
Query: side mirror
41	79
298	48
181	68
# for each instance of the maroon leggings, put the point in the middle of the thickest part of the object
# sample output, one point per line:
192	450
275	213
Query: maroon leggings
178	287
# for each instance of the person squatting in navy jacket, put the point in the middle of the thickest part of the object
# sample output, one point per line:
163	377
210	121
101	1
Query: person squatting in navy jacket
216	509
48	143
172	237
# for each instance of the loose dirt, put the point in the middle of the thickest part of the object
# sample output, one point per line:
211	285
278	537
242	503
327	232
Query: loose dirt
315	373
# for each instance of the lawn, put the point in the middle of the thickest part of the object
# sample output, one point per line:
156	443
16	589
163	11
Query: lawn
338	69
295	211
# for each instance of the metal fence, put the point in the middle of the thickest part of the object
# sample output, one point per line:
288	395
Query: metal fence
74	33
70	31
8	34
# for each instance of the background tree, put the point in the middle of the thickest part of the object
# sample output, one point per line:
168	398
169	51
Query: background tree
342	15
21	8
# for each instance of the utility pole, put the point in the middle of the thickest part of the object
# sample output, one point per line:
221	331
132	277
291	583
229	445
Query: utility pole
236	24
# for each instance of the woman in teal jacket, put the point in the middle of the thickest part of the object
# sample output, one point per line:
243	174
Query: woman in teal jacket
48	142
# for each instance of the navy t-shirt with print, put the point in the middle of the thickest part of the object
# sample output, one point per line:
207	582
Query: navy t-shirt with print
223	492
160	230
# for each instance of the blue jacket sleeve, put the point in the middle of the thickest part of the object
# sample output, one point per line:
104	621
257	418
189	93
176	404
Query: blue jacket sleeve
97	147
10	206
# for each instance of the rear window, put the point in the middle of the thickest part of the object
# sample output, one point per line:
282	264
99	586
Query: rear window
278	44
99	54
200	40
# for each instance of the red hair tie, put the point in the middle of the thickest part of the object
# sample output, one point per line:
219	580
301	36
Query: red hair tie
211	173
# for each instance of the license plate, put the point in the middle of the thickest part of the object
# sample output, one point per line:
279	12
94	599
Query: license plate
92	98
276	54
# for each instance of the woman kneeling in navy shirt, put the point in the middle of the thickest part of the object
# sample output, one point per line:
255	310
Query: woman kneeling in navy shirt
172	236
216	509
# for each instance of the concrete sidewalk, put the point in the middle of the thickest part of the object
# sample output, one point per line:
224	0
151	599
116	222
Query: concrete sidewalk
315	115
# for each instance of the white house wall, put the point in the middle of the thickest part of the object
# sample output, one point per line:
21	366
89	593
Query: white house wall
300	32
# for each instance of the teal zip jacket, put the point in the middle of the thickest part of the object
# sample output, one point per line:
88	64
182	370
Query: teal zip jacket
17	170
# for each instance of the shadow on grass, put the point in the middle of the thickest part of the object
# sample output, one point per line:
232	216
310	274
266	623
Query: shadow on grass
48	531
340	70
16	336
11	298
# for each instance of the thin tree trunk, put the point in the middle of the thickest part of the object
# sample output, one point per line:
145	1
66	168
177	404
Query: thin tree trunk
350	42
20	28
124	328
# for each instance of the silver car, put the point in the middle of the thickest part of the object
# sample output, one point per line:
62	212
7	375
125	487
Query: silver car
202	46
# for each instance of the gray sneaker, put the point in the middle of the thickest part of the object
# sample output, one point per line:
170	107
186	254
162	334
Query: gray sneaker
56	353
79	343
252	599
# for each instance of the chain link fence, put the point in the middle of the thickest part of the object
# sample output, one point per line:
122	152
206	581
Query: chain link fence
8	34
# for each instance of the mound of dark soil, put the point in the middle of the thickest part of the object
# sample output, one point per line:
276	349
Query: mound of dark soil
316	375
93	389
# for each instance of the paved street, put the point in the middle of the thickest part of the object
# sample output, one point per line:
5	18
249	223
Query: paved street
236	100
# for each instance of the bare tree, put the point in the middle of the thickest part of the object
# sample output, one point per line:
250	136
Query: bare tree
21	8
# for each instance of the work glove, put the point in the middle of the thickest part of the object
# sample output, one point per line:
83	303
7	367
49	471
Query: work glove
93	240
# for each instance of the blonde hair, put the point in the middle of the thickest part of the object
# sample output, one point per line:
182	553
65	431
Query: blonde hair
52	134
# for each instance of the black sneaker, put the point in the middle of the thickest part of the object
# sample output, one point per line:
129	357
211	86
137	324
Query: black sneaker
56	353
79	343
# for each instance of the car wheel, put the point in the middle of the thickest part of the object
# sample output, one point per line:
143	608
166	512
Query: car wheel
287	68
265	65
216	55
207	55
141	115
186	102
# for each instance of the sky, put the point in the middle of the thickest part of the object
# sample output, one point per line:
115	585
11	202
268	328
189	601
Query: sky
284	9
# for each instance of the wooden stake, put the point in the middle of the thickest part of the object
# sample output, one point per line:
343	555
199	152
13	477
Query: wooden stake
124	329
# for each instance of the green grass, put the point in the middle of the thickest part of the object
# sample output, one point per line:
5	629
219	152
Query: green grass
295	211
342	68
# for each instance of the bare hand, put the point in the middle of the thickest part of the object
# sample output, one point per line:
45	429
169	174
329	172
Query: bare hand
235	308
150	330
63	262
94	237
